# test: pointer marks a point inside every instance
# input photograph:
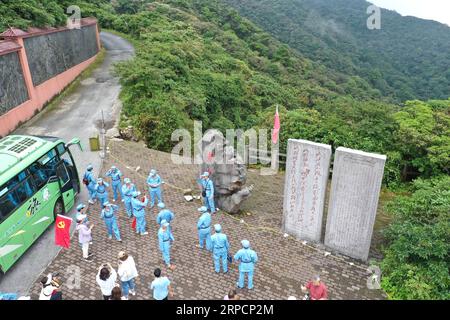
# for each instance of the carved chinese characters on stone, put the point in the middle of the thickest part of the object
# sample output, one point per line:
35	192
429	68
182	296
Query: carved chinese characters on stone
307	169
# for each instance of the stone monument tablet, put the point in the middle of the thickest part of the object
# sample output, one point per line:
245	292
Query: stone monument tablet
355	189
307	169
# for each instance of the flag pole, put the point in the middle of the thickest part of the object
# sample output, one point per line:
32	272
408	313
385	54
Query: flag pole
275	151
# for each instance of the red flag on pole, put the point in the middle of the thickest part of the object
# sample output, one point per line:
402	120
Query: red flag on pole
276	128
62	231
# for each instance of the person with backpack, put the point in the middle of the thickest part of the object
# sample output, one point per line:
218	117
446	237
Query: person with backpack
90	182
208	192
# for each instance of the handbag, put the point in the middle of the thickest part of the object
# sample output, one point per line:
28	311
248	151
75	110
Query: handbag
133	224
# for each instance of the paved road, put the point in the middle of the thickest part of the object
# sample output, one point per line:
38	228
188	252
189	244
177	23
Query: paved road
79	115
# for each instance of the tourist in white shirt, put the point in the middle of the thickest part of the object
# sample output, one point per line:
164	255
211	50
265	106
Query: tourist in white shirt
127	272
106	279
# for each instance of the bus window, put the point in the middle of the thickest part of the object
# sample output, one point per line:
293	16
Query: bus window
25	186
61	149
15	192
7	203
44	168
62	174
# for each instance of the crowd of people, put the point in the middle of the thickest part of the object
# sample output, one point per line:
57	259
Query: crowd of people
120	284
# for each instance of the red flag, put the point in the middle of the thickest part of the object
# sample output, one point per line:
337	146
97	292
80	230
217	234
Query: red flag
62	231
276	127
133	224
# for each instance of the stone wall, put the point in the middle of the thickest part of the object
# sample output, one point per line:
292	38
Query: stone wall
13	90
51	54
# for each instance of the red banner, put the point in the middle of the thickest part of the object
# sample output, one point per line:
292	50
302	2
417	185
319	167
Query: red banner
62	231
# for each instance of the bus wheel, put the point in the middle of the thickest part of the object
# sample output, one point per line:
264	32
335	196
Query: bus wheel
58	208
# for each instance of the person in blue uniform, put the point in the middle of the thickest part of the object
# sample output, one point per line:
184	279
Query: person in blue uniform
127	190
154	182
108	215
220	247
101	191
204	228
208	192
116	182
165	239
139	212
90	182
247	258
164	214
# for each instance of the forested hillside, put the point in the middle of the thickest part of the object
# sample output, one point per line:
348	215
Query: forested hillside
201	60
408	58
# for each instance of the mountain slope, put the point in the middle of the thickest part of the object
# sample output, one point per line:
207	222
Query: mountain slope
407	58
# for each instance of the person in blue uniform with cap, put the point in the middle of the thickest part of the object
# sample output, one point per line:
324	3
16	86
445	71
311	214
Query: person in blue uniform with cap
116	182
127	190
164	214
204	228
101	191
247	259
139	212
108	215
220	247
208	192
154	182
165	239
90	182
81	210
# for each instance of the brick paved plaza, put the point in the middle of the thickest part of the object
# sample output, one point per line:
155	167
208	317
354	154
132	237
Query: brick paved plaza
285	263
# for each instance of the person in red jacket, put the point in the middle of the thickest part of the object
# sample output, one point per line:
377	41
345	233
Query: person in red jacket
317	289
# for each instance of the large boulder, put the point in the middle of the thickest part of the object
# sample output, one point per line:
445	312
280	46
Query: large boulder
227	171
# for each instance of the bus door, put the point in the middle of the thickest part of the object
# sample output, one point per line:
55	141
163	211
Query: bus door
66	184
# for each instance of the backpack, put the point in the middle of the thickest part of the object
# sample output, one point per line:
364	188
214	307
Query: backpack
85	180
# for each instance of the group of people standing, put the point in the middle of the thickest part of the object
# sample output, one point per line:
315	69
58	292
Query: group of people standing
217	244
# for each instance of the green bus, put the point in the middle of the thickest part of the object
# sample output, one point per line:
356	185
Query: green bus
38	180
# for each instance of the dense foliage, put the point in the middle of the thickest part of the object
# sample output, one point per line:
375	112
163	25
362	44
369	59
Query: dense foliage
201	60
408	58
416	264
